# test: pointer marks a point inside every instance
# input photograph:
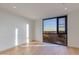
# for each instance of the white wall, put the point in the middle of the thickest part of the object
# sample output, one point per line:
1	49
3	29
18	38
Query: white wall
73	29
38	30
8	23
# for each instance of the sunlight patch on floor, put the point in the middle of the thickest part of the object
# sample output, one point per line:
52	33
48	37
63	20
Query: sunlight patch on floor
39	44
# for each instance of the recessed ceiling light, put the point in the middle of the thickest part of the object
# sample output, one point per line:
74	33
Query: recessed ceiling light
14	6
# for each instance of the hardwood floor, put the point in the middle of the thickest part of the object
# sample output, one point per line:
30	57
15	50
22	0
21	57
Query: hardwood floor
41	49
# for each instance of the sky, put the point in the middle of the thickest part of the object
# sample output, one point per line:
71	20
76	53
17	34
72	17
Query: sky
50	25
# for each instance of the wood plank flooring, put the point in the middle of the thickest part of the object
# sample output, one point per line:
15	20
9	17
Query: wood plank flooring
41	49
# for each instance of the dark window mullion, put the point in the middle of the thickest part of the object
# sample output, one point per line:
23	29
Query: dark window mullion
57	26
66	24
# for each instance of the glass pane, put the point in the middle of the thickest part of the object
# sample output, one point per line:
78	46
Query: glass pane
50	25
61	25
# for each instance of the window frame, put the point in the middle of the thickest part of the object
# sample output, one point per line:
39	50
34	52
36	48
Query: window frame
57	23
66	26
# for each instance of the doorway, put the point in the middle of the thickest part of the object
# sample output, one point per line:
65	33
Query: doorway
55	30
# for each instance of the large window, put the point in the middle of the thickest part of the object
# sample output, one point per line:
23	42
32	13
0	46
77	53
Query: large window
55	30
50	25
56	25
62	25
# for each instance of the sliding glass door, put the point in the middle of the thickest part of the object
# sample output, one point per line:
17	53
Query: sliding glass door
55	30
50	29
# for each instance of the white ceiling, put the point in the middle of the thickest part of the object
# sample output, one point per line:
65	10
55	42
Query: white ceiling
38	11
